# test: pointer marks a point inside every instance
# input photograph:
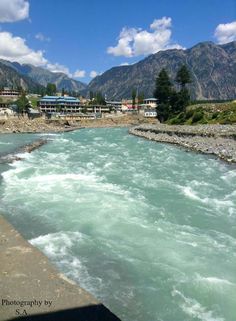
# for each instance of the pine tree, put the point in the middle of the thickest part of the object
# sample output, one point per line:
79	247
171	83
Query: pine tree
133	94
162	93
183	77
163	88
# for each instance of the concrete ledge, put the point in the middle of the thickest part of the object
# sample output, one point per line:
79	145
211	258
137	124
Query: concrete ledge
32	288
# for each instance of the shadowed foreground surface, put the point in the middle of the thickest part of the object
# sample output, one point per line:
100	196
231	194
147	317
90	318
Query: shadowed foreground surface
28	282
89	313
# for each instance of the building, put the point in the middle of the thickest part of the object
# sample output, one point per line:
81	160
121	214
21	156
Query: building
7	92
59	104
98	109
150	113
33	113
115	105
150	102
127	105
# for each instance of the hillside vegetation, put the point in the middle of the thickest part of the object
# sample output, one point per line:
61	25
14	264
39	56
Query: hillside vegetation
207	113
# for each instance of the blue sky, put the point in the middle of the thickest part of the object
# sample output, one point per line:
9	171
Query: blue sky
86	37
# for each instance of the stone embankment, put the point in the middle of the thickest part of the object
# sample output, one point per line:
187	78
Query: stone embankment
218	140
31	287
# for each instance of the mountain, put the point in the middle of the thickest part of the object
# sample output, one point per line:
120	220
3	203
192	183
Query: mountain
9	77
44	76
213	69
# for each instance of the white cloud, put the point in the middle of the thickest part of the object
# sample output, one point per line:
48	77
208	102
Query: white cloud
58	68
13	10
124	64
226	32
135	42
93	74
41	37
79	73
123	47
15	49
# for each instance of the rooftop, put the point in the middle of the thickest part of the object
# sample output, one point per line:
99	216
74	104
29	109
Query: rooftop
153	99
60	98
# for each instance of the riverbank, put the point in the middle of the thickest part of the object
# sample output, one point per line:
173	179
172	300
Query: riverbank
41	125
218	140
30	285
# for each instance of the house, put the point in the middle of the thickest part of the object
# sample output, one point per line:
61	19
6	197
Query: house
150	102
59	104
151	113
33	113
127	105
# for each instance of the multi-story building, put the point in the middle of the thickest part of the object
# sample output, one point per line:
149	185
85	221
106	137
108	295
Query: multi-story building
7	92
115	105
59	104
150	102
98	109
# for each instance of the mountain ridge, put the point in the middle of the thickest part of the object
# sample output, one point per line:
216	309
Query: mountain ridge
9	77
213	69
43	76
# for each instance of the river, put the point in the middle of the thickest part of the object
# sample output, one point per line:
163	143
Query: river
148	228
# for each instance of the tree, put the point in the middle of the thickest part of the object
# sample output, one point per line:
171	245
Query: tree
97	99
141	98
133	94
162	93
91	95
51	89
183	76
22	104
100	100
63	92
163	88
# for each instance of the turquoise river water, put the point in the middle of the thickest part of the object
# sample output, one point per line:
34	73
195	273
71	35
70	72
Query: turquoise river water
148	228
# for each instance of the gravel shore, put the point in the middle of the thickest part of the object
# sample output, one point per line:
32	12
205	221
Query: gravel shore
41	125
218	140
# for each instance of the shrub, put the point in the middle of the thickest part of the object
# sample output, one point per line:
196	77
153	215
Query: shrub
197	116
189	113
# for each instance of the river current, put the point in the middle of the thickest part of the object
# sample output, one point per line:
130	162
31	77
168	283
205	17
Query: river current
148	228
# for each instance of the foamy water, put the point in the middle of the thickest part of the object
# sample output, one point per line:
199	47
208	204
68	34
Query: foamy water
148	228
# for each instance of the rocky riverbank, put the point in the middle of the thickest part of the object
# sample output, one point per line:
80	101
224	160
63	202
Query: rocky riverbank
218	140
41	125
9	158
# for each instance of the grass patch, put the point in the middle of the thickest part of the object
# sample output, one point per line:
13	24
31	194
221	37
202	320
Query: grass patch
206	113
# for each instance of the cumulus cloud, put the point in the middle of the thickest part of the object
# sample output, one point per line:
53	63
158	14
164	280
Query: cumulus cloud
58	68
123	47
93	74
42	37
13	10
79	74
226	32
135	41
15	49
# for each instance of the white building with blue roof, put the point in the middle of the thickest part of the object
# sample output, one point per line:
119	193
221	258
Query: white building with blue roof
59	104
